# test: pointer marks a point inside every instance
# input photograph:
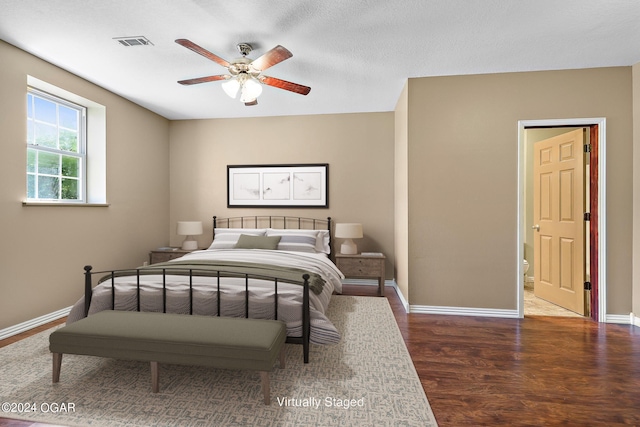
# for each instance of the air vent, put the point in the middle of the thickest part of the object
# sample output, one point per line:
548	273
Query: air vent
133	41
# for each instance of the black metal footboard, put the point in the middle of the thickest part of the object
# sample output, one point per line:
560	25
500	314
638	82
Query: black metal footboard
191	273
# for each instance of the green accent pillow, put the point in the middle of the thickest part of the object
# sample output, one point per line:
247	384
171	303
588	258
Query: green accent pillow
257	242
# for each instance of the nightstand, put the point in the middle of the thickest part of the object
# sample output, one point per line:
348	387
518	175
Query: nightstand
164	255
363	266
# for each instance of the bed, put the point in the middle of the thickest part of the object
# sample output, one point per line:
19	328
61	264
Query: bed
265	267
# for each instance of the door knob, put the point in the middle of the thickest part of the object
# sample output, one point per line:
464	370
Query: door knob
536	227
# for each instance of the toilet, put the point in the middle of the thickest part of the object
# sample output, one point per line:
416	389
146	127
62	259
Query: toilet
526	267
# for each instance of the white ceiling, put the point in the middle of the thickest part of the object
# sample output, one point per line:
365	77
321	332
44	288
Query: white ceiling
355	54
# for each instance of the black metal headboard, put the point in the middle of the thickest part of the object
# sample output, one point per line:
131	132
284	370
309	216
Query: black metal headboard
275	221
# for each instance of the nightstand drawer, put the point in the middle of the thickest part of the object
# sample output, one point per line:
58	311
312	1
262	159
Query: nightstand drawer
361	267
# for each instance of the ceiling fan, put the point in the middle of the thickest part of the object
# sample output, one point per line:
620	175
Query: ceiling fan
245	75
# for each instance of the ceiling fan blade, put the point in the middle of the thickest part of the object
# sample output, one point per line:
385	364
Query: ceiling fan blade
204	79
202	51
271	58
254	102
283	84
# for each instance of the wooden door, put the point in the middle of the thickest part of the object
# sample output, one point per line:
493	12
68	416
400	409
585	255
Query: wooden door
558	191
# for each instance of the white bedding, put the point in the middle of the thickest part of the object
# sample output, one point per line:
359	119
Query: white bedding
261	302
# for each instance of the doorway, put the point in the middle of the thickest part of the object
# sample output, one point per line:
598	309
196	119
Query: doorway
557	232
594	229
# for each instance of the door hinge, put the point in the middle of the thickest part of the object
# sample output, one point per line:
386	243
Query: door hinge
587	216
587	148
587	286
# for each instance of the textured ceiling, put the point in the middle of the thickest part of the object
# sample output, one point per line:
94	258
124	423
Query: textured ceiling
355	55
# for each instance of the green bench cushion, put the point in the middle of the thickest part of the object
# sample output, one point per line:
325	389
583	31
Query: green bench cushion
222	342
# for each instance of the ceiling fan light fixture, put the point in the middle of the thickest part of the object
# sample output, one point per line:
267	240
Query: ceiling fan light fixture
245	75
231	87
251	90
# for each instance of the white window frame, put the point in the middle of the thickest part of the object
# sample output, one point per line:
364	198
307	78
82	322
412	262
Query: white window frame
95	167
80	155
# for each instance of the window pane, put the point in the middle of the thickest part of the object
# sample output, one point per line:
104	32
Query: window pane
48	187
45	110
69	140
70	166
70	188
31	160
30	106
31	186
29	131
49	163
46	135
68	117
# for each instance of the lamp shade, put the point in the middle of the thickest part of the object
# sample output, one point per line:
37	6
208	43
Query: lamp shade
231	87
348	231
189	228
250	90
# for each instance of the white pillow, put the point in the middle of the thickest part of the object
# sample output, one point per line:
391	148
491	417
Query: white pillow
295	240
323	241
227	238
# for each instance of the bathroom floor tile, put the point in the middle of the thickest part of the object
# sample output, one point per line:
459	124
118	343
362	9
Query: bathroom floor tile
534	306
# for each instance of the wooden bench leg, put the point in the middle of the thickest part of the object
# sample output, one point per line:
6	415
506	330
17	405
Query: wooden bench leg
266	388
57	364
155	377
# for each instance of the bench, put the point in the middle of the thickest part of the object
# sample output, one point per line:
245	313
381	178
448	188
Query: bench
218	342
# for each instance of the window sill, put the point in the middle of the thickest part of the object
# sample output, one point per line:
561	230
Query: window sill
75	205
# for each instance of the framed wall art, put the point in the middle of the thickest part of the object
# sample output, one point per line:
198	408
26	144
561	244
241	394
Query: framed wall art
283	186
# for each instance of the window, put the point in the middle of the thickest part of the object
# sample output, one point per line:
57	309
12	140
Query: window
56	149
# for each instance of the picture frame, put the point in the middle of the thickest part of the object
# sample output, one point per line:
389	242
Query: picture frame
278	186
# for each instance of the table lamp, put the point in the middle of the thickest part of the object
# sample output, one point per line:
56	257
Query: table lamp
189	229
348	231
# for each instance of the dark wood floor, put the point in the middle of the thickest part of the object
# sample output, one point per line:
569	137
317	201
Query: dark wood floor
539	371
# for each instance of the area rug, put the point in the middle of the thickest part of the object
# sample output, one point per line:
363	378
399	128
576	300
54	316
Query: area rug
367	379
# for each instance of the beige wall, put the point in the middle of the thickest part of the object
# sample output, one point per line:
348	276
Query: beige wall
401	196
434	183
45	248
636	192
359	149
463	179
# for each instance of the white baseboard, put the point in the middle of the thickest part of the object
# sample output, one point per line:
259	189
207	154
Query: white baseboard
622	319
30	324
387	284
464	311
369	282
631	319
458	311
404	301
363	282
